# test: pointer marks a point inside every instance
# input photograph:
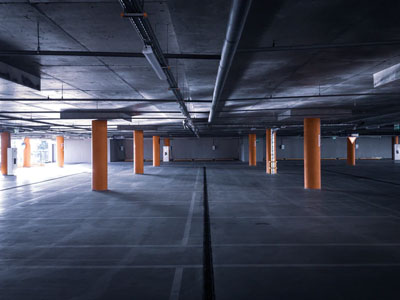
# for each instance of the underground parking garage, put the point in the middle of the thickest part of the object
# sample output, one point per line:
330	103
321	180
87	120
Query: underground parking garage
180	149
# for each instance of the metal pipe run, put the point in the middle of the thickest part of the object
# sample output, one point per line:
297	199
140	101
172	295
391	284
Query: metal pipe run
237	19
104	54
319	46
146	33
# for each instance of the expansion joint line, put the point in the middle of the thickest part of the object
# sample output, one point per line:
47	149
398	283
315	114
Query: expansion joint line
208	268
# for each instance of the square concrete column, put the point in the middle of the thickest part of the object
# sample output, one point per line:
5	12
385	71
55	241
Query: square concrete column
156	151
270	158
252	149
138	152
395	141
312	153
60	151
167	150
351	151
99	156
5	144
27	153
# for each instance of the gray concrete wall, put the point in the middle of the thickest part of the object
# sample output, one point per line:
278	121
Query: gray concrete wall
77	151
368	147
80	151
225	148
191	148
260	149
117	150
147	148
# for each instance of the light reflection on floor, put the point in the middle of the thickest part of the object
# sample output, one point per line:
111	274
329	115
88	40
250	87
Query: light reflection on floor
37	174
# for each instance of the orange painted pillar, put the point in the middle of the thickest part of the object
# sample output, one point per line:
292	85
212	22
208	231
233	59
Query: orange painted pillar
167	142
138	151
27	153
312	153
270	157
395	141
99	155
5	144
156	151
60	151
351	151
252	150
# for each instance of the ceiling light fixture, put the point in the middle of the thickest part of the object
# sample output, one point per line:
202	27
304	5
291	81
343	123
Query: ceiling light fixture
153	61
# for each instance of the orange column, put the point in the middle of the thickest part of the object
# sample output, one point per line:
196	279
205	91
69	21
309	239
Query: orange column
156	151
138	151
99	155
252	150
395	140
5	144
351	151
312	153
60	151
27	153
166	142
270	157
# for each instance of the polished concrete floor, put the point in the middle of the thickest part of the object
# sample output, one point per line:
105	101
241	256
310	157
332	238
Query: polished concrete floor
143	239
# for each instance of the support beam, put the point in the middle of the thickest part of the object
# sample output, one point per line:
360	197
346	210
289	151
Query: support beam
167	142
5	144
271	164
138	151
56	53
387	75
99	155
19	76
351	151
60	151
252	149
312	153
395	141
27	153
156	151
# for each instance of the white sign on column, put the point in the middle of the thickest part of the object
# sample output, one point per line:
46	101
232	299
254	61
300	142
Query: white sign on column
166	153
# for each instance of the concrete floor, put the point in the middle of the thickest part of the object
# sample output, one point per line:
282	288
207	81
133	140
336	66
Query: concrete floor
143	239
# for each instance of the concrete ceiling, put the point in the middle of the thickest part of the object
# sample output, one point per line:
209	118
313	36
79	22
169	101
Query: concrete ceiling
295	59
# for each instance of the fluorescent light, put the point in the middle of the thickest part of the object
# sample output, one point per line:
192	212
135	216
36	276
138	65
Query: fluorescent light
153	61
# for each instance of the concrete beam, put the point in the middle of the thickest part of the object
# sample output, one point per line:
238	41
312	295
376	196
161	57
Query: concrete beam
387	75
18	76
94	114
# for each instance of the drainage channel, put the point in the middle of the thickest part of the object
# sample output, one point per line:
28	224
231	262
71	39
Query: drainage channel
208	268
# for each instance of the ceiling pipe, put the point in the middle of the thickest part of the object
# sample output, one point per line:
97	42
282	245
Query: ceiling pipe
275	48
237	19
146	33
7	53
